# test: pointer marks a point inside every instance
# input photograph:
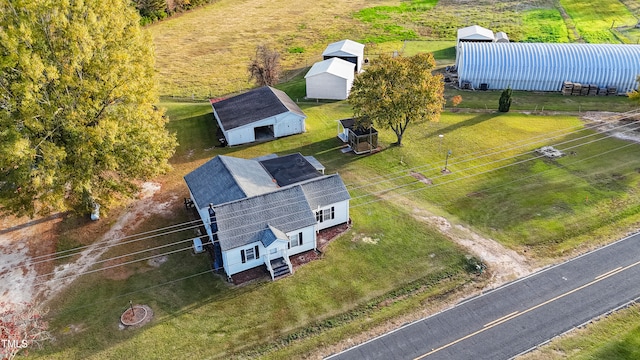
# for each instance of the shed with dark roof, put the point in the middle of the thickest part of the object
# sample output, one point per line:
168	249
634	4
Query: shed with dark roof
261	114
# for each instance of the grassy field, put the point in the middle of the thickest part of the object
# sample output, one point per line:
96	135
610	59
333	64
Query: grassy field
344	291
496	187
205	53
595	19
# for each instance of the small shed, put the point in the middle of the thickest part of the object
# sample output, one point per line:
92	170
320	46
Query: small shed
261	114
360	140
348	50
475	33
502	37
330	79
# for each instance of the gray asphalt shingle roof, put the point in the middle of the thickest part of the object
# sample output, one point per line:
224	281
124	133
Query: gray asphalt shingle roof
251	207
224	178
254	105
212	183
290	169
244	221
324	191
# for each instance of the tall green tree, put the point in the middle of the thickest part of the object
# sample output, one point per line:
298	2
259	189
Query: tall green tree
78	123
504	104
396	91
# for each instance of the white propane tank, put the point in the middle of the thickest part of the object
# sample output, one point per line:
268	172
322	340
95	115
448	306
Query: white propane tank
197	246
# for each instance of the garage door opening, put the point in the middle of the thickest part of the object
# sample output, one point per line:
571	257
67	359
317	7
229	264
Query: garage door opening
264	133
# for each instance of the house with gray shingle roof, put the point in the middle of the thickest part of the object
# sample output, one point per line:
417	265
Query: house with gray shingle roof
260	114
260	212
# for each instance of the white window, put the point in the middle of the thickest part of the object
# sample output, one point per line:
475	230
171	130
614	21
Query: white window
295	240
249	254
326	214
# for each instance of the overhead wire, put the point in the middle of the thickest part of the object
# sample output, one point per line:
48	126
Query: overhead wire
386	190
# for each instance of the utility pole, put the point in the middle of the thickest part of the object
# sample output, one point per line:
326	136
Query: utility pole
446	162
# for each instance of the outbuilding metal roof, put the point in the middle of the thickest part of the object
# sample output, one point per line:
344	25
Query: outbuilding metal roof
334	66
254	105
344	48
475	32
544	66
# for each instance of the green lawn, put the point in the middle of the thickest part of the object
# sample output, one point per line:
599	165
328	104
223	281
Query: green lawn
536	206
594	19
520	206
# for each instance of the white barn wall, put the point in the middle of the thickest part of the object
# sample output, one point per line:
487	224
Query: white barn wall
283	125
288	124
544	67
328	86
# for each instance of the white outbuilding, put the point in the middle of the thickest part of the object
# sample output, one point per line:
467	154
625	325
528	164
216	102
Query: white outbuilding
260	114
348	50
330	79
475	33
547	67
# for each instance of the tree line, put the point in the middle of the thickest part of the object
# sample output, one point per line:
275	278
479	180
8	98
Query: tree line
153	10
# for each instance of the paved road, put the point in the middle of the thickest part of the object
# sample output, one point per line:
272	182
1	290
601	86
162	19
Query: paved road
507	321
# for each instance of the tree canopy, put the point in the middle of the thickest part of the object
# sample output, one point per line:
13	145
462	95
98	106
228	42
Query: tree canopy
396	91
77	120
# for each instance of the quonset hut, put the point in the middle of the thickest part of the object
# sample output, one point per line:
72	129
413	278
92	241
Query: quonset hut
544	67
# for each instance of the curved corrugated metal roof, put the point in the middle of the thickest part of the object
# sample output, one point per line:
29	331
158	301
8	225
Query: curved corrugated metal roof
543	66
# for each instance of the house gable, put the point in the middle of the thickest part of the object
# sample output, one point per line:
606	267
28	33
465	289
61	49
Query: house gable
213	183
243	222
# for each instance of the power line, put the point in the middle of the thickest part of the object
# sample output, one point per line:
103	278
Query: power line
386	190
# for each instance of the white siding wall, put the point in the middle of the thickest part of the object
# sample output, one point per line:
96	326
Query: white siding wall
308	240
328	86
283	125
288	124
341	215
232	259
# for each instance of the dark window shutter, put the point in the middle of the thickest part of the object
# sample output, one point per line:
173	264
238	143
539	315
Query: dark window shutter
300	238
244	259
257	252
333	213
289	245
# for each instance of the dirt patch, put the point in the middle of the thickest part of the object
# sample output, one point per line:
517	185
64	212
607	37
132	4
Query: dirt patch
503	264
613	123
423	179
27	272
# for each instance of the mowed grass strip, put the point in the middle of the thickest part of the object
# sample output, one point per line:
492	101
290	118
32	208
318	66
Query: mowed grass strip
595	19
